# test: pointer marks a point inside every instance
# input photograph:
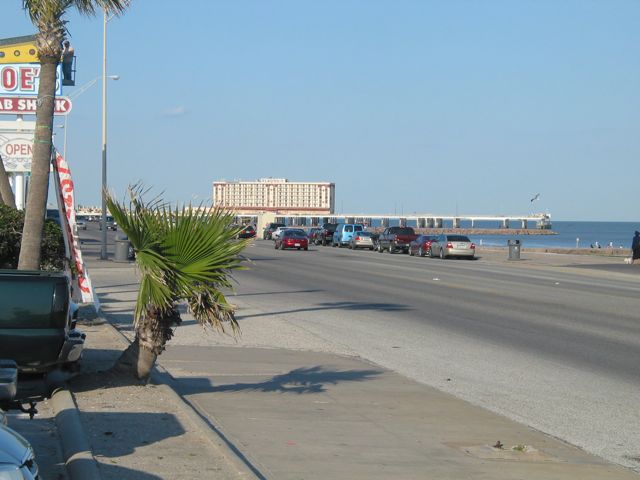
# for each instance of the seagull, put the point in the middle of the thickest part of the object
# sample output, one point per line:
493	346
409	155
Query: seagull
535	197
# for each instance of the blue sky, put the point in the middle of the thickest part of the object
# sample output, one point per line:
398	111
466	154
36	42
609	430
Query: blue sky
408	106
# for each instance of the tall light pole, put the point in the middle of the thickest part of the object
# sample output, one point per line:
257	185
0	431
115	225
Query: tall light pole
103	220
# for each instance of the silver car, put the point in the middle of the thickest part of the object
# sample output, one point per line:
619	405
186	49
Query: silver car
16	455
452	245
361	240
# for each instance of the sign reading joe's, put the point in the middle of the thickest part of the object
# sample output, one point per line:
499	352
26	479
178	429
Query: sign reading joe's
16	150
23	79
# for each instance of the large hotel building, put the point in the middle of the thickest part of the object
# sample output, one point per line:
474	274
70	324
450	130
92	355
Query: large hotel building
277	195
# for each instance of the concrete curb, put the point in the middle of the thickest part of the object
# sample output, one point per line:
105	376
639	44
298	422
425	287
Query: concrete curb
218	440
77	454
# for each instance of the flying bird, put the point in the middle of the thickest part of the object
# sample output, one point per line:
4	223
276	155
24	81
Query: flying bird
535	197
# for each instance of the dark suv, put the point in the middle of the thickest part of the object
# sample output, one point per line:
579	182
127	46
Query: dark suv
270	228
326	235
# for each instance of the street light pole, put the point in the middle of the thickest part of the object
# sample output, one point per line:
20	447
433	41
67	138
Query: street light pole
103	248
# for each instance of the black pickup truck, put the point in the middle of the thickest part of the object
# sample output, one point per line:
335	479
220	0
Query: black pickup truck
326	235
396	238
37	324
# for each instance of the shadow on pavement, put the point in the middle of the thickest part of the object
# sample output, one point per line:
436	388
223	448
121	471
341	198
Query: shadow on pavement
275	293
122	433
115	471
348	306
298	381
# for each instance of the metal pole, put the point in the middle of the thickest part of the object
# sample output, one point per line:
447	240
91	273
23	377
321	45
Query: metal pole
64	147
103	249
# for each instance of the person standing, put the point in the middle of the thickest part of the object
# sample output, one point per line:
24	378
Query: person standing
635	247
67	63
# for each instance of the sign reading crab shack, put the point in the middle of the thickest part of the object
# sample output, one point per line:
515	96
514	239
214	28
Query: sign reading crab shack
28	105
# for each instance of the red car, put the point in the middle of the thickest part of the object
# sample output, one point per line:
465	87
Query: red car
292	238
421	246
248	232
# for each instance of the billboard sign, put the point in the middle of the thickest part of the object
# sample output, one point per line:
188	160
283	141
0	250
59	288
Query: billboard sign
28	105
16	150
22	79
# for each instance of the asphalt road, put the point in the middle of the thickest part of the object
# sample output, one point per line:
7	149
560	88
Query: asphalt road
554	346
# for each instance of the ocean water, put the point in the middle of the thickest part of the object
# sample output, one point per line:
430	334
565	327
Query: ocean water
568	234
571	235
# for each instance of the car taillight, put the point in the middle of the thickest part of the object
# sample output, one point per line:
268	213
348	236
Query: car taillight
357	238
473	246
449	245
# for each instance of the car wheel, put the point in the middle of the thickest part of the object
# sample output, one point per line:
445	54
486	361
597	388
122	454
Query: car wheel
298	248
380	250
410	252
420	252
306	248
391	249
371	248
442	256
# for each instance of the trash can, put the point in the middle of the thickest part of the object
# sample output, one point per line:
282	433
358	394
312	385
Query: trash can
122	249
514	249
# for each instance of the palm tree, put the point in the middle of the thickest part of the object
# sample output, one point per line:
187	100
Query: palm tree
182	255
48	18
6	194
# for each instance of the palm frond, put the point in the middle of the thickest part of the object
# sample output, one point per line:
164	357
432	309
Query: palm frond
182	254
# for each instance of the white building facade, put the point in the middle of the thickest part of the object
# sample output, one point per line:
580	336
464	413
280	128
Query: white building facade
277	195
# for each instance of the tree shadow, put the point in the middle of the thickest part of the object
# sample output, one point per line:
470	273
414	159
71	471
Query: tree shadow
118	433
305	380
276	293
348	306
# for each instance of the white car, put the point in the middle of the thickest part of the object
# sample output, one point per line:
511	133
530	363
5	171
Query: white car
276	233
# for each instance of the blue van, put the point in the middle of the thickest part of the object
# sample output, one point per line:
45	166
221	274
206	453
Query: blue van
344	232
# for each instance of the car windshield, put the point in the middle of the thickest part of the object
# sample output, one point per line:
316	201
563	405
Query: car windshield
458	238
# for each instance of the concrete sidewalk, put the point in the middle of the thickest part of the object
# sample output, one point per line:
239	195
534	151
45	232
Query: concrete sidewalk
291	414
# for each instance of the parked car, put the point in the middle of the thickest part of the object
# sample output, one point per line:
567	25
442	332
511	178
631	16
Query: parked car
361	240
328	229
396	238
315	236
292	238
269	229
421	246
38	321
247	232
344	232
81	225
17	460
448	245
278	231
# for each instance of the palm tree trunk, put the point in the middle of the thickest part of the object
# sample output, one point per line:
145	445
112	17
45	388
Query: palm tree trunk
136	361
39	183
6	194
153	330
